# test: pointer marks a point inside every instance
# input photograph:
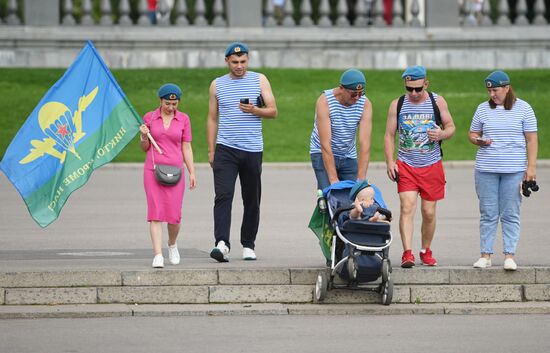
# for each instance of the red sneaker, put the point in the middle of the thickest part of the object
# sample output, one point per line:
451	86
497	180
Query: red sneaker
407	260
427	258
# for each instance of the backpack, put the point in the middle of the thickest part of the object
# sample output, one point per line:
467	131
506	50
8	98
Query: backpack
437	113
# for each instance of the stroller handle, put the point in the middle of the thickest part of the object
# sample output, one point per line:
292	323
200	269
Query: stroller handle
385	212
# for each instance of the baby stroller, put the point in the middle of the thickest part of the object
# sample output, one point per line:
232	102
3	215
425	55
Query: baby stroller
359	251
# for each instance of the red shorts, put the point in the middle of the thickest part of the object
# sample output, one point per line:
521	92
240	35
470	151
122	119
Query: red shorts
428	181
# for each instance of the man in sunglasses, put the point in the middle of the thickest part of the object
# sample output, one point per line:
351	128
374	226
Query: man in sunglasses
422	120
339	113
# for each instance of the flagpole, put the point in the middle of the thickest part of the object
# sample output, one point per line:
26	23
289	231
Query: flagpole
154	143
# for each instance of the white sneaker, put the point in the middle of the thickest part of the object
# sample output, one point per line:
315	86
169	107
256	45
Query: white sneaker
158	261
173	254
221	252
510	265
249	254
482	263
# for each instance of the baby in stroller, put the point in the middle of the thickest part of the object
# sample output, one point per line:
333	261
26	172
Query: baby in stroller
360	241
365	207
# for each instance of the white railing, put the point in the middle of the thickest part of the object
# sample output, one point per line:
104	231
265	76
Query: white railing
284	13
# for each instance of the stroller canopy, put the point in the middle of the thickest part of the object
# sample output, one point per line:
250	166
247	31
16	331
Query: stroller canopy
348	184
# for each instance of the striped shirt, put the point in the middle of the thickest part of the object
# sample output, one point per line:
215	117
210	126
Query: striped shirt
415	148
237	129
343	127
507	152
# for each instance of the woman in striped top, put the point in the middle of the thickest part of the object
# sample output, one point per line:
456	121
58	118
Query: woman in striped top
505	129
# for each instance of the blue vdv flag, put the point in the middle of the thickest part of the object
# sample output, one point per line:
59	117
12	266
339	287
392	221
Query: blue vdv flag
82	123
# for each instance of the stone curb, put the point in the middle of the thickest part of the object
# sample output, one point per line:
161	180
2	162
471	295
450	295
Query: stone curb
151	310
454	275
278	286
64	311
210	310
60	278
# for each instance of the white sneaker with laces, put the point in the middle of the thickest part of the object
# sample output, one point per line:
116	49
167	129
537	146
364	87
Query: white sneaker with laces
249	254
482	263
158	261
510	265
173	254
221	252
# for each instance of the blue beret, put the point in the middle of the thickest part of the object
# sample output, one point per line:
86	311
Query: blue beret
170	91
414	73
236	48
360	185
497	79
353	79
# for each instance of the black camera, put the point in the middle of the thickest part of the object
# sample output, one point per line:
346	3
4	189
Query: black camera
528	186
245	101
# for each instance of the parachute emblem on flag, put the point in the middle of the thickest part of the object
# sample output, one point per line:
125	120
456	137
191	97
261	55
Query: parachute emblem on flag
62	128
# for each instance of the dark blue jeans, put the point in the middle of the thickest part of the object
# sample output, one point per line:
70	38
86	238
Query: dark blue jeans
346	169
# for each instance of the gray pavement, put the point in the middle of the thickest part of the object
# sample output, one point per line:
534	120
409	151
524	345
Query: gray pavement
103	224
268	334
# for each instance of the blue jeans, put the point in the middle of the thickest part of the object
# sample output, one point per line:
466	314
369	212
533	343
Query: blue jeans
152	14
499	199
346	169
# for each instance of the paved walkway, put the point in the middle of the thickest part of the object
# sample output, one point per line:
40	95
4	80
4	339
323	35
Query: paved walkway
103	224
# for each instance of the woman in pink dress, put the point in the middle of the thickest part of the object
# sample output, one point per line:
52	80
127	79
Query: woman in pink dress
171	130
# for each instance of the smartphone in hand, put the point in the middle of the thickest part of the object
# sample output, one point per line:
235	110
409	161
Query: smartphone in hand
245	101
482	140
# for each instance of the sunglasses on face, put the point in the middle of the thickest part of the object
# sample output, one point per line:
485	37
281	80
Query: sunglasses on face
416	89
355	94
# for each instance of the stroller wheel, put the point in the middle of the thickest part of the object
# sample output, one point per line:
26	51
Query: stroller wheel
321	286
386	292
386	270
352	268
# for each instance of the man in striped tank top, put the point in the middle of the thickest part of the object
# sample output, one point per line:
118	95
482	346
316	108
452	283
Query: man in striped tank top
418	170
238	102
339	113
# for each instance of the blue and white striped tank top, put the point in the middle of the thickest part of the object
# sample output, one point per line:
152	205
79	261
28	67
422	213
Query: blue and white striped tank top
343	127
507	152
237	129
415	148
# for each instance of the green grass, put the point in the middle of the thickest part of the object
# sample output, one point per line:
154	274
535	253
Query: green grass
287	137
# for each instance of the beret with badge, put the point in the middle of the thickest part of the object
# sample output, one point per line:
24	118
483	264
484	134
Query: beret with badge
414	73
353	79
497	79
236	48
169	91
